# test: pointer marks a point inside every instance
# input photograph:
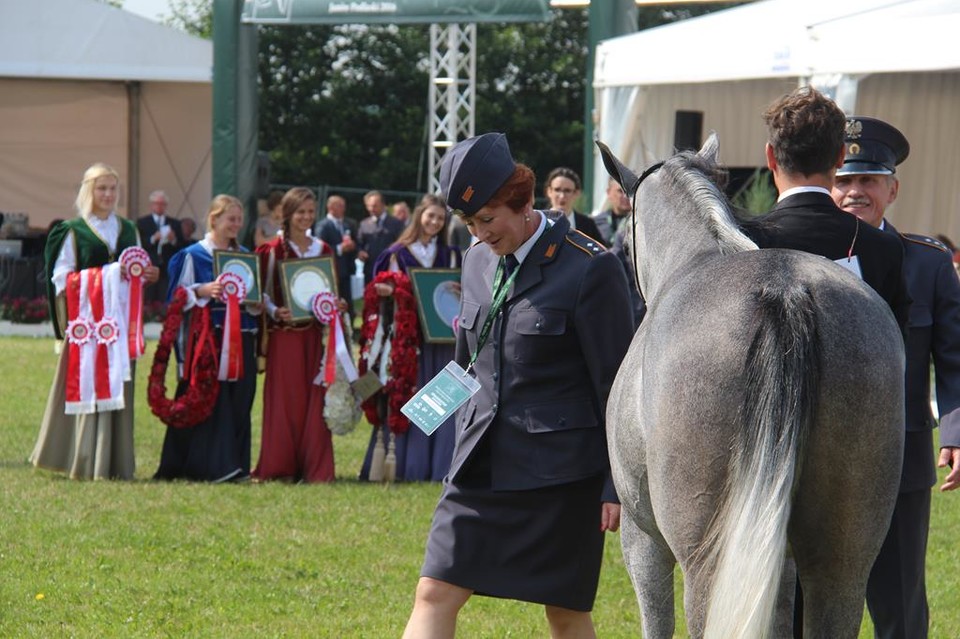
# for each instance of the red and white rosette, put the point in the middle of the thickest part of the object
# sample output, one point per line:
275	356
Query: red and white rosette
106	331
134	260
79	331
231	350
324	308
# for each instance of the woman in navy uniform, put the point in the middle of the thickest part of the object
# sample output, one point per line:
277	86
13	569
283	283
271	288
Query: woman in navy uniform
545	321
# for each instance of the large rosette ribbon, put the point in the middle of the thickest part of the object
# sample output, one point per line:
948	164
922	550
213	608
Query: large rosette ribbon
324	308
231	351
134	260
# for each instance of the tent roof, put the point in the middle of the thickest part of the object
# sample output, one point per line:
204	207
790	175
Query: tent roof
91	40
787	38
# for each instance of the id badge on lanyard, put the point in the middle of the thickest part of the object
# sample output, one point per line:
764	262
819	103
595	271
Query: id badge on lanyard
440	398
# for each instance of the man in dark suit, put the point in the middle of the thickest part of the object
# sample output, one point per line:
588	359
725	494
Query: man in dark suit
866	185
804	149
161	236
339	232
611	219
377	231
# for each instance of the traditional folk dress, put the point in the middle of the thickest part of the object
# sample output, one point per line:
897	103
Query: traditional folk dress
420	457
97	445
296	444
217	449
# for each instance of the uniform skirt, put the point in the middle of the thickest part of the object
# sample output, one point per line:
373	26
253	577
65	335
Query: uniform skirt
543	546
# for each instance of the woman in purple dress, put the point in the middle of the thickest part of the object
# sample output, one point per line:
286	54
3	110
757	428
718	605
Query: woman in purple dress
422	244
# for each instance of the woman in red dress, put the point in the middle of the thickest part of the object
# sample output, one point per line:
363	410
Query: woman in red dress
296	444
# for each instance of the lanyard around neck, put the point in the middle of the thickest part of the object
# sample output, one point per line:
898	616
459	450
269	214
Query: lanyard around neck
500	289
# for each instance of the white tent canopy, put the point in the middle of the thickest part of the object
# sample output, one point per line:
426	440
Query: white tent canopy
890	59
83	82
89	40
787	38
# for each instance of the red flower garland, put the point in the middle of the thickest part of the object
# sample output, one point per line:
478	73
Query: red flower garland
198	402
402	368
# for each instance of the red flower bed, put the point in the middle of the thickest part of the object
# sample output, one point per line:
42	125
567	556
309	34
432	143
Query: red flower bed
22	310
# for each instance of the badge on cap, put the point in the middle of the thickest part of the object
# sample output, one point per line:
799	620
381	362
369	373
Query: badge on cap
854	129
467	194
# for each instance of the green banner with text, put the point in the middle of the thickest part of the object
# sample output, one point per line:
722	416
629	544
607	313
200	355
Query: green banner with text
393	11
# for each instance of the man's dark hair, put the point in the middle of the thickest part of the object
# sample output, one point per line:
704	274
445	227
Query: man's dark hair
806	131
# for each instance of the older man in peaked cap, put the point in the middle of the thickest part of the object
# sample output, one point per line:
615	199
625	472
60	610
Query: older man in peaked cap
865	186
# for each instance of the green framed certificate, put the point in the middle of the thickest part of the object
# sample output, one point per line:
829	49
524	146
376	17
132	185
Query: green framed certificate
437	291
303	279
246	265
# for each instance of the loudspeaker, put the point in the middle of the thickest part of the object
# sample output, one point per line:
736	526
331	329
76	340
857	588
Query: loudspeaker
688	130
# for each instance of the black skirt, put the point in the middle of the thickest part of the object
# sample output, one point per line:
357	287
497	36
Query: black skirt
543	546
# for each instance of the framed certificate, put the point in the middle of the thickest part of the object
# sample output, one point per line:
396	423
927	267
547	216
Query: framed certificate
437	291
303	279
246	265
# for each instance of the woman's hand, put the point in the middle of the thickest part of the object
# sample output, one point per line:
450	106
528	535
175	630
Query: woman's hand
282	314
151	274
342	305
609	517
383	289
212	290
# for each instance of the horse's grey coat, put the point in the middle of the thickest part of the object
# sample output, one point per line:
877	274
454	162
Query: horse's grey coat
760	405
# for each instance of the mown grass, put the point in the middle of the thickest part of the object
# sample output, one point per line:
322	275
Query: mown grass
146	559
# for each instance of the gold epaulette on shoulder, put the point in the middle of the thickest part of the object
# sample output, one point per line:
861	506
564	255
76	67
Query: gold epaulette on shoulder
585	243
916	238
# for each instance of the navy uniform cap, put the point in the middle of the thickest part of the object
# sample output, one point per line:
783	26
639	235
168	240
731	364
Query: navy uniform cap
473	170
873	147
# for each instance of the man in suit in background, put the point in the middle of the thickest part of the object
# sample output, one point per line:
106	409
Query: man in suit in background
866	185
339	232
161	236
376	233
611	218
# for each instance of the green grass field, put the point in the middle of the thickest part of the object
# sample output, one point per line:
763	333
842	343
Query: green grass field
145	559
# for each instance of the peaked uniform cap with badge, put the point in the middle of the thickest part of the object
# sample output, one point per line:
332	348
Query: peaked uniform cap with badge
873	147
473	170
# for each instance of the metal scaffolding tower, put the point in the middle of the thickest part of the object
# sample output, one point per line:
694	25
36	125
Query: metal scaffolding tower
453	90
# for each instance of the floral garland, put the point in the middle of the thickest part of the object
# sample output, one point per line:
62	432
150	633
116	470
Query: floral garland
197	403
402	367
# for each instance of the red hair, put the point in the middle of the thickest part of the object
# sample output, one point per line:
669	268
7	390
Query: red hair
517	191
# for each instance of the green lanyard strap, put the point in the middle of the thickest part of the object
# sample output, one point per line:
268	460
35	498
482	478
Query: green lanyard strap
500	290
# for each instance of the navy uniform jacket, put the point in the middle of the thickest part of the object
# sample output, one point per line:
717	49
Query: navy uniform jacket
328	232
811	222
374	236
547	367
934	335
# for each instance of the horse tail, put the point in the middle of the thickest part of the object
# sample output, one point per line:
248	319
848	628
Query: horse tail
746	543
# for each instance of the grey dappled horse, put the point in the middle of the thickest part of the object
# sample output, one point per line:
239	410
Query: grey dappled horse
760	407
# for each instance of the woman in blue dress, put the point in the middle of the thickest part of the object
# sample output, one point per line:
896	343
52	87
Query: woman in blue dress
217	449
422	244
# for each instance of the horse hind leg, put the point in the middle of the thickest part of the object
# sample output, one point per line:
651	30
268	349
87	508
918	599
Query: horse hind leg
650	565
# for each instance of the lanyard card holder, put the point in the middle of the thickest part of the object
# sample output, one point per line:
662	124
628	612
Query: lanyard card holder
440	398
